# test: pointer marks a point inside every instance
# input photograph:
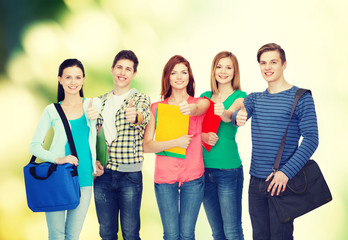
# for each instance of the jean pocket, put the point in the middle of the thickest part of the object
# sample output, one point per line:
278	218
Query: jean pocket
198	180
135	177
251	180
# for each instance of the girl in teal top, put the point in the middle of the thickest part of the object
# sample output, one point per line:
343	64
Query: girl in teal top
82	114
223	167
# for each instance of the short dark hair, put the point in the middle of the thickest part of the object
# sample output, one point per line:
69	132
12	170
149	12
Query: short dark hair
126	54
271	47
65	64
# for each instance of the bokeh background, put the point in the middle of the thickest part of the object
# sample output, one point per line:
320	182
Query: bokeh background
37	35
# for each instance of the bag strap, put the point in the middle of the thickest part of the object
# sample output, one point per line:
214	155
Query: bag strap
67	129
298	95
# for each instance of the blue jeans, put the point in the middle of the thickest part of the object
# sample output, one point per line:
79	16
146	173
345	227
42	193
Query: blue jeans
264	219
118	193
223	202
179	208
68	224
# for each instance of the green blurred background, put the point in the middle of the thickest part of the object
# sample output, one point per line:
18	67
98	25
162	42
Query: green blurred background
37	35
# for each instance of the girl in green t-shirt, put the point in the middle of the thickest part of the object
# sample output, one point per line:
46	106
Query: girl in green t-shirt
223	167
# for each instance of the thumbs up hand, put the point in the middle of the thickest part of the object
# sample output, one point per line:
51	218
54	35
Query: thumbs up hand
131	112
92	112
242	116
219	107
185	108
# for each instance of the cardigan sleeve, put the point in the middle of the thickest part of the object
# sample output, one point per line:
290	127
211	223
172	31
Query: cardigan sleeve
36	144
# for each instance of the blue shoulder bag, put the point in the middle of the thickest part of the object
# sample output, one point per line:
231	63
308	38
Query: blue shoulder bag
53	187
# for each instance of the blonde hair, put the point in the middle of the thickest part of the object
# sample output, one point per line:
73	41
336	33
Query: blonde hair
235	79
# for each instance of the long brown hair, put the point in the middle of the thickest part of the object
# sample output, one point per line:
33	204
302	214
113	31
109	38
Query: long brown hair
236	78
168	68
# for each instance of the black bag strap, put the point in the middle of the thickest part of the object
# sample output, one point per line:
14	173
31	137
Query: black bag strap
298	95
67	129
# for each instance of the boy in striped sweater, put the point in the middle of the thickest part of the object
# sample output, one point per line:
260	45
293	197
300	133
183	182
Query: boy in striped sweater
270	111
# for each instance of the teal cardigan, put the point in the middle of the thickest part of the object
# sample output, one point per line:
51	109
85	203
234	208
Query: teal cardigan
51	118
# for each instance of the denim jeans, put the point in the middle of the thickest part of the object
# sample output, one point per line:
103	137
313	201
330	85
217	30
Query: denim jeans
264	219
68	224
118	194
179	207
223	202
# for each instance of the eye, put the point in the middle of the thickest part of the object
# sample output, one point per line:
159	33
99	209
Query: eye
173	73
184	72
218	67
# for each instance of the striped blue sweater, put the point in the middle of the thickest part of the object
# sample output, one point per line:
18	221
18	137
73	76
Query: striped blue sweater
270	115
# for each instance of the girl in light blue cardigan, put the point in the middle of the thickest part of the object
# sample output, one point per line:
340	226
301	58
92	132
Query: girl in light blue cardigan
81	114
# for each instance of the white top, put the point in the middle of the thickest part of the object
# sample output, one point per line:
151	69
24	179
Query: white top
112	105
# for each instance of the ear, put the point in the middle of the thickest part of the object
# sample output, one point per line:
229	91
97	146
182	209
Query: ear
134	74
60	80
284	65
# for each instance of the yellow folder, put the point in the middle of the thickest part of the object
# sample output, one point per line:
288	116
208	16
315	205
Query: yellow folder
171	124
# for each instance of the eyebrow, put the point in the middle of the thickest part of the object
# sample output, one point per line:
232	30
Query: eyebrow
119	65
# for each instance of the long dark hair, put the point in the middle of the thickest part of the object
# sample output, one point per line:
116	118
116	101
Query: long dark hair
168	68
65	64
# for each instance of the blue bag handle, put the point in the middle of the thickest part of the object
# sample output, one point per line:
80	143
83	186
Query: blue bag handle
51	169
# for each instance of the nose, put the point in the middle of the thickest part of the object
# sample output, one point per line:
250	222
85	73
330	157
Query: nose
268	66
223	70
179	76
123	71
